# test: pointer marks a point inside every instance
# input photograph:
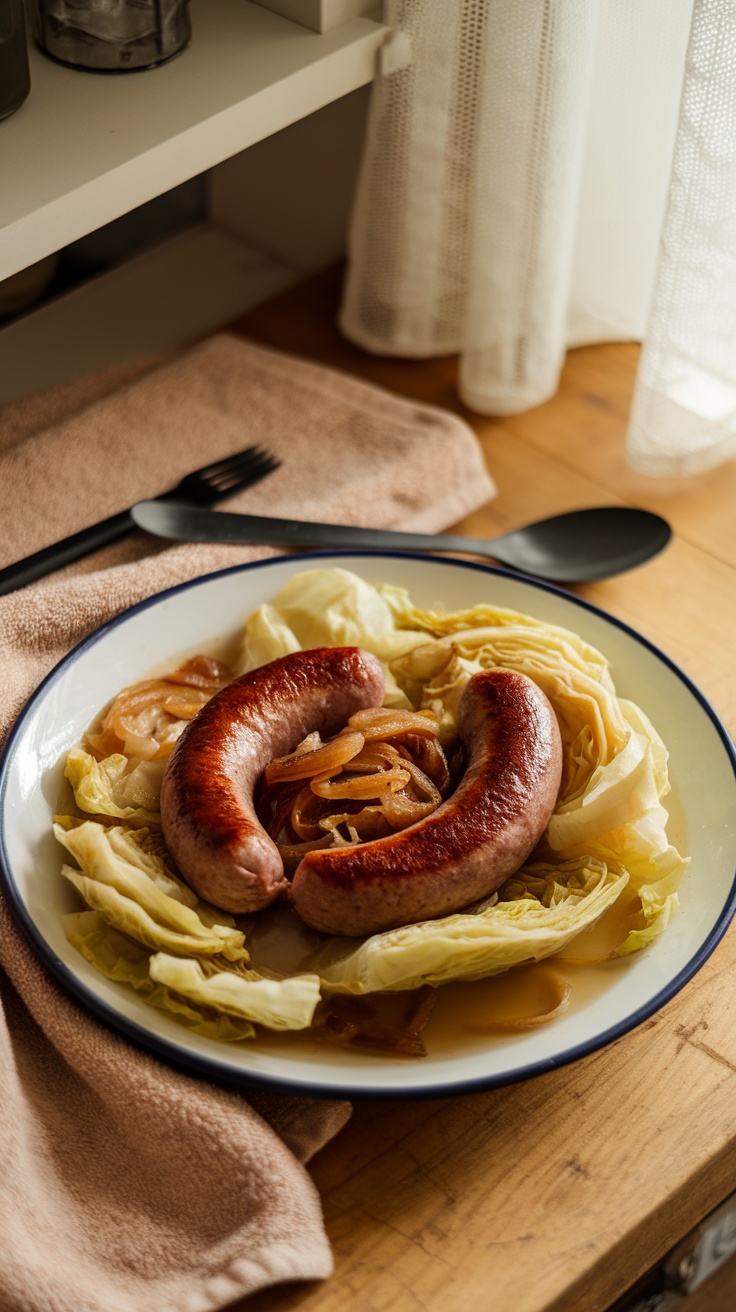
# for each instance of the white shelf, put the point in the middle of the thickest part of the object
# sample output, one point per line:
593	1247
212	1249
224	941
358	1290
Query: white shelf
159	301
86	148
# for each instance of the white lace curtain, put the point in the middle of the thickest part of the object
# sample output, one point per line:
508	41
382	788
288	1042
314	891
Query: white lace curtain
541	174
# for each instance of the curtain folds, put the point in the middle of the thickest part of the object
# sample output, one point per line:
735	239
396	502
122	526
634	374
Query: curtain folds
683	416
517	196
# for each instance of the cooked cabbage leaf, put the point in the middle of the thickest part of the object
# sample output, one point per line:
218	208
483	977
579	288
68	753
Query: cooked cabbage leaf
135	891
110	787
127	915
121	959
614	762
279	1004
327	608
543	910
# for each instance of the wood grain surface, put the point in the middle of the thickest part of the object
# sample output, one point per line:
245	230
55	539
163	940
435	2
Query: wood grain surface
556	1194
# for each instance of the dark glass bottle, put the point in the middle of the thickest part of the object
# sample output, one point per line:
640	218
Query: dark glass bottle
15	79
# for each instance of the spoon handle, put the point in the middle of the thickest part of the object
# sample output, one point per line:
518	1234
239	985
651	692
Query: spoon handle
192	524
576	547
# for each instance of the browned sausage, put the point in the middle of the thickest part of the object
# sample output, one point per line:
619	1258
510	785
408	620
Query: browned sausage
209	822
466	848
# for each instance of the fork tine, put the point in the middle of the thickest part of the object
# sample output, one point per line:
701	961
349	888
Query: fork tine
241	476
209	471
261	461
222	478
250	456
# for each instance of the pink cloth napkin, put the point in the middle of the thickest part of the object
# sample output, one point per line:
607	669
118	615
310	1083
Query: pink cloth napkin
126	1186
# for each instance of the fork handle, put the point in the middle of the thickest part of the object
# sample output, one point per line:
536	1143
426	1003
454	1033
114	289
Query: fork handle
63	553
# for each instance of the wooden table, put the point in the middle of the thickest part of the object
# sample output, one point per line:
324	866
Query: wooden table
552	1195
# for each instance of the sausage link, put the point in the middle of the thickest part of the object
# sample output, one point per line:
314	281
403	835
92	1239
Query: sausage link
465	849
207	812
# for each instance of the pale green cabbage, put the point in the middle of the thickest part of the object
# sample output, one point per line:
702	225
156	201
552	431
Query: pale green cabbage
125	961
327	608
615	763
283	1004
110	787
149	930
528	927
136	892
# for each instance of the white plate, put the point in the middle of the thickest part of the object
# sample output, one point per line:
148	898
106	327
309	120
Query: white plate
702	770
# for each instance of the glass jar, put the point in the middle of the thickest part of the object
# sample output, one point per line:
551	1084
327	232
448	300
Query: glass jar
15	79
113	35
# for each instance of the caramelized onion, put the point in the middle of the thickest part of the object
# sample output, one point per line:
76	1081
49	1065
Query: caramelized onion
369	822
306	813
201	672
390	759
376	756
146	719
182	708
382	722
402	809
363	786
324	759
429	756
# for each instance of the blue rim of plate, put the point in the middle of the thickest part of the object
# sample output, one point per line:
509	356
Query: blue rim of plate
212	1069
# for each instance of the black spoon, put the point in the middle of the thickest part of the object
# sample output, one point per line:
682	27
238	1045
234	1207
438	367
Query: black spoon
576	547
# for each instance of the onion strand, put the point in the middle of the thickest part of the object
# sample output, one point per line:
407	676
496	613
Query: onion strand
385	770
145	720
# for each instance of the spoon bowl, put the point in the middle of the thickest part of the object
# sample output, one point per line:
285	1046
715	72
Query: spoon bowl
583	545
579	546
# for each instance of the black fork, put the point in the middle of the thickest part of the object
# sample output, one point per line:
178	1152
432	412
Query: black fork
203	487
223	478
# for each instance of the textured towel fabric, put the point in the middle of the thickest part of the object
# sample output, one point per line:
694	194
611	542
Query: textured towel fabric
124	1185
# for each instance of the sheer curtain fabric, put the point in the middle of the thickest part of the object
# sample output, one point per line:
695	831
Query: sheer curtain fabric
546	174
